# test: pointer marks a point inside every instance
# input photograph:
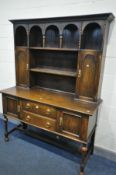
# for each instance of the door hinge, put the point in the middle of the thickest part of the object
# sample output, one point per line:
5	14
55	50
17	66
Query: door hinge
61	121
79	73
18	108
27	66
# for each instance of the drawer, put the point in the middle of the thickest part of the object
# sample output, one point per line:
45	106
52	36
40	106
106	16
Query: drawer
39	108
39	121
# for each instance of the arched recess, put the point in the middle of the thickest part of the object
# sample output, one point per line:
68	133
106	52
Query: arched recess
92	37
70	36
35	36
20	36
52	36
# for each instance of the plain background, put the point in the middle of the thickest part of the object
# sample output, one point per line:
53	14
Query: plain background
19	9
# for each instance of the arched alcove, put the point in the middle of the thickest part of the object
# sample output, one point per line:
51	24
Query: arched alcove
21	36
35	36
52	36
92	37
70	36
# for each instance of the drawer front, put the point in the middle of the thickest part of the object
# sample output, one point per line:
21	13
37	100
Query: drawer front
70	124
39	121
38	108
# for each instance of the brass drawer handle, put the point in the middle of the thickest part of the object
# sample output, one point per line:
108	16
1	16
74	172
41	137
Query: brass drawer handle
28	118
48	125
28	105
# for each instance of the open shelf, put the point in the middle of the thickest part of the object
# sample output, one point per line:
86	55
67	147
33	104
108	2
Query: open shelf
54	49
58	71
53	81
53	60
23	47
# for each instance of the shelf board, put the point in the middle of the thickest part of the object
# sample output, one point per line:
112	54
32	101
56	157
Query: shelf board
21	46
53	49
55	71
57	49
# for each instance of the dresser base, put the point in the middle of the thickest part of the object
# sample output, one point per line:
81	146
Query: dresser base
82	149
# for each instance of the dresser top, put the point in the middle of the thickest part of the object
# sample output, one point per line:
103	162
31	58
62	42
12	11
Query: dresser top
59	100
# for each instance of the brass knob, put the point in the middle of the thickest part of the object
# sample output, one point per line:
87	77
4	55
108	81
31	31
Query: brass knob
48	111
37	107
28	117
40	98
28	105
87	65
48	125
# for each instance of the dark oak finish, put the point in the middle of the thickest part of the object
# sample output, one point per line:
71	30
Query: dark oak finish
22	67
59	70
38	120
11	106
56	99
56	71
39	108
88	73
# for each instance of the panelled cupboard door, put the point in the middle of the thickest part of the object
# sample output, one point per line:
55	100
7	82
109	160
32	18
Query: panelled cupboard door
22	67
70	124
10	107
88	74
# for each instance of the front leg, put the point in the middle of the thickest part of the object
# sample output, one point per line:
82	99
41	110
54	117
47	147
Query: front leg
6	129
84	151
92	143
24	125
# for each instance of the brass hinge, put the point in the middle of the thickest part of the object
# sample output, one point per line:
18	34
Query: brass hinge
61	121
27	66
18	108
79	73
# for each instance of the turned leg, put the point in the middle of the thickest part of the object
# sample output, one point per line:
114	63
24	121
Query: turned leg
6	129
84	152
92	143
24	125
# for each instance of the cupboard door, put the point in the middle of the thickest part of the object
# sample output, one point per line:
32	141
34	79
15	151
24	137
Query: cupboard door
70	124
10	106
22	67
88	74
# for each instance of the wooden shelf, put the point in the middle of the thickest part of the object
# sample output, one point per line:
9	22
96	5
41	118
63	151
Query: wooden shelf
21	46
53	49
57	49
55	71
